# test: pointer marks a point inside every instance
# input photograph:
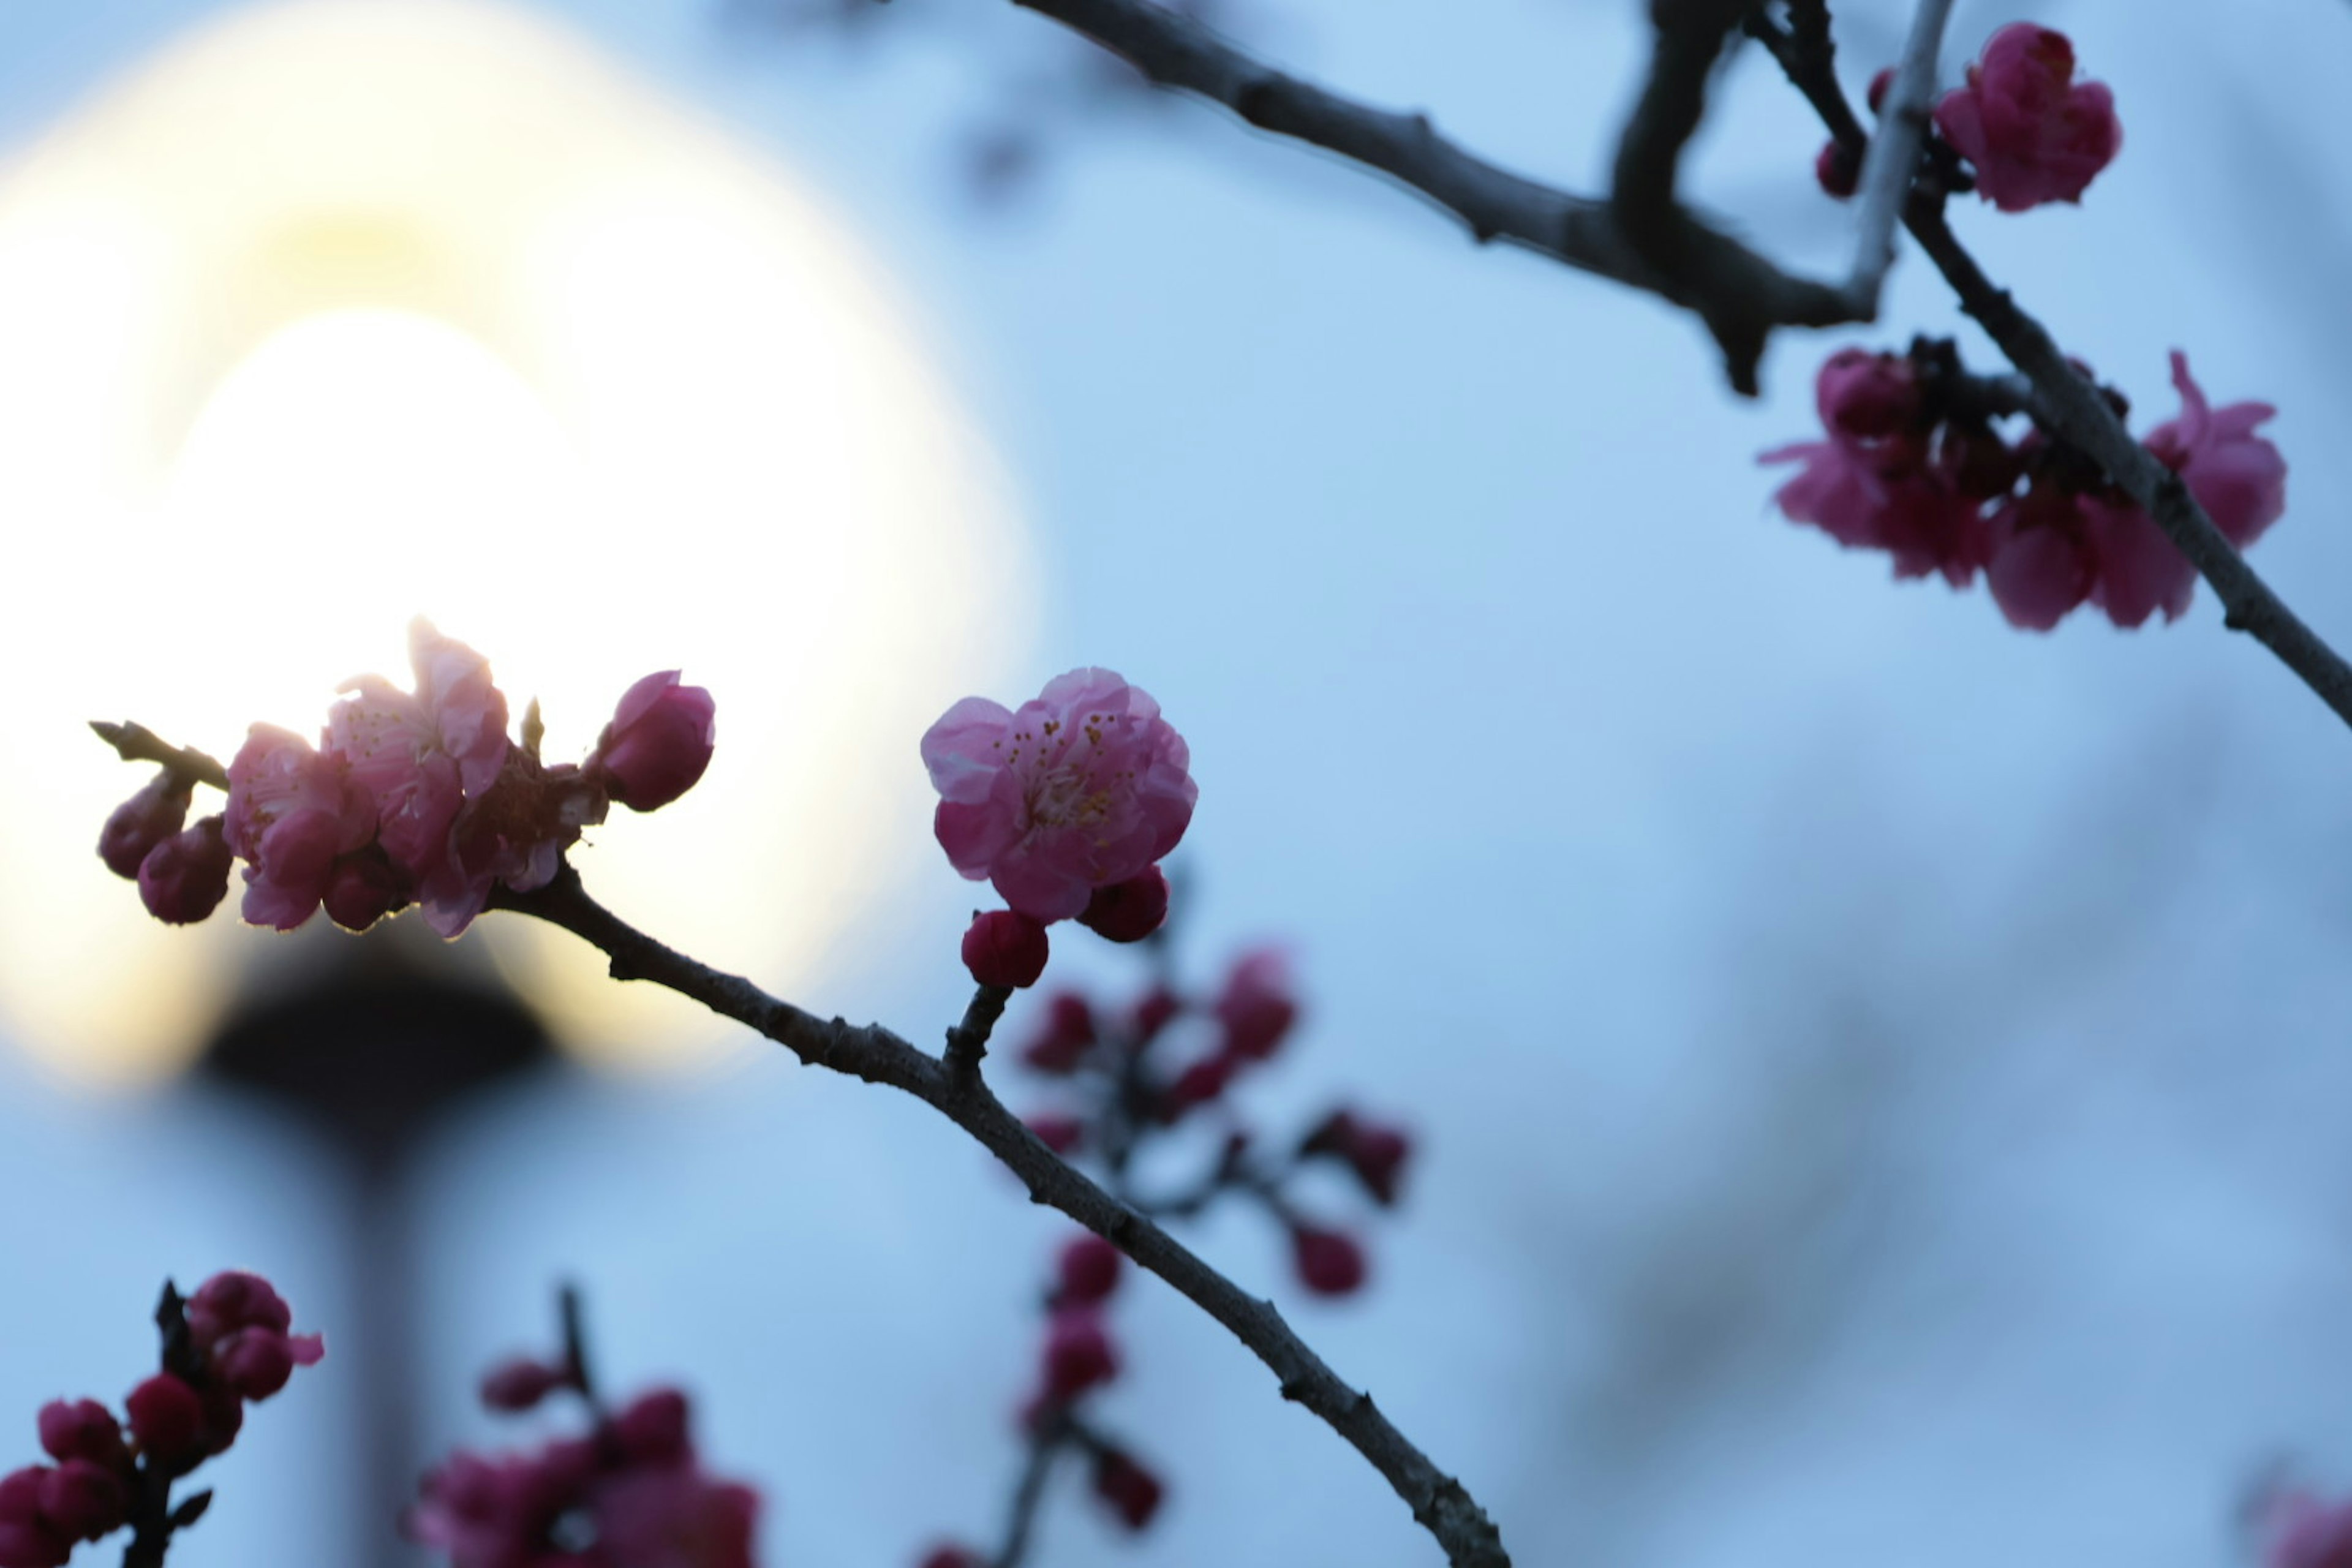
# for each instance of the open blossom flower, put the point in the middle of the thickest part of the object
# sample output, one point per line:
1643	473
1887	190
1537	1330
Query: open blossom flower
1083	787
292	812
2237	477
2031	131
1877	483
2054	550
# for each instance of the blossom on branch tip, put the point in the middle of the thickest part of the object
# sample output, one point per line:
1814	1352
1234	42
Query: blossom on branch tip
183	879
156	812
167	1418
658	743
1005	948
1083	786
2030	132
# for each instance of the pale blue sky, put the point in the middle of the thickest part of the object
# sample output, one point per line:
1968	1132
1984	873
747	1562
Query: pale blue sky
1882	1075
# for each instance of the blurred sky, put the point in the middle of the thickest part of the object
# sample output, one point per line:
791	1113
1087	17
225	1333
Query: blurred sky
1881	1075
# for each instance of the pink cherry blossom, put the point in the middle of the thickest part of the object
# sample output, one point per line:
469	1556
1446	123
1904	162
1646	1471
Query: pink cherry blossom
1083	787
2031	133
2043	564
2237	477
292	811
513	835
1259	1003
421	755
2140	571
658	743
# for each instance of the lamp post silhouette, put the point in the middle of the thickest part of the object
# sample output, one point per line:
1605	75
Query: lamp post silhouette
372	1050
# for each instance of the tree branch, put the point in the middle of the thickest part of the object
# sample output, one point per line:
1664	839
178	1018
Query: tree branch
1438	1501
1641	236
138	743
2072	405
1893	155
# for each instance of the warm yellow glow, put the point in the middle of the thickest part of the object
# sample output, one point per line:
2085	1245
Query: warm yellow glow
345	311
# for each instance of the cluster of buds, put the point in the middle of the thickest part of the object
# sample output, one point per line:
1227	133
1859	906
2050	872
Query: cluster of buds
408	796
1077	1357
1915	465
227	1346
2026	129
1126	1076
630	1492
1126	1081
1067	805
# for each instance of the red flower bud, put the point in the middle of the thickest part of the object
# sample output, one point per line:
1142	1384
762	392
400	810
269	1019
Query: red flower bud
653	1429
1066	1036
1374	1151
1128	911
1838	170
1159	1008
954	1557
1198	1084
1078	1355
156	812
1088	1269
1005	949
84	1501
233	1299
1880	86
184	878
1061	1134
82	1429
1133	1492
1257	1006
27	1540
166	1418
1329	1262
254	1363
364	888
658	743
521	1383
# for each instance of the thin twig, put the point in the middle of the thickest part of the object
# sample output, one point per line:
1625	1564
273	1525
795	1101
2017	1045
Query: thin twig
138	743
1046	1441
2073	407
1438	1501
1739	294
968	1041
1893	156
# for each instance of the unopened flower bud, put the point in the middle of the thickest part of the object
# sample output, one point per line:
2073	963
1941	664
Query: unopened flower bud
1088	1270
1133	1492
157	811
654	1428
1061	1134
1160	1008
1064	1038
658	743
254	1363
1078	1355
364	888
1006	949
27	1540
1128	911
1329	1262
233	1299
1880	86
1373	1150
83	1501
184	878
80	1429
1838	168
1258	1005
166	1418
521	1383
1197	1085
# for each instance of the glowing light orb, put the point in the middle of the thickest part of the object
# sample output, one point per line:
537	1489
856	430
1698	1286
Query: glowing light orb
339	313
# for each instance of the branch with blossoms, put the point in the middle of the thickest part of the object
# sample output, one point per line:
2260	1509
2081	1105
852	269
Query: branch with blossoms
227	1346
628	1491
2077	511
1137	1086
1067	805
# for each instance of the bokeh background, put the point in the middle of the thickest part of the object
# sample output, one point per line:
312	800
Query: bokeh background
1881	1077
